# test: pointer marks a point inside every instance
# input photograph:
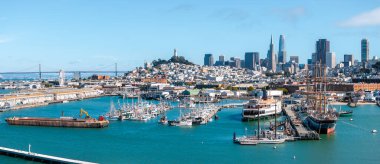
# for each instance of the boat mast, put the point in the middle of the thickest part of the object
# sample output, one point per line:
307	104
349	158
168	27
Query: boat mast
315	86
307	85
325	82
320	86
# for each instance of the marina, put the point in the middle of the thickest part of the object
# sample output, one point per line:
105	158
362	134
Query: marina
189	82
137	139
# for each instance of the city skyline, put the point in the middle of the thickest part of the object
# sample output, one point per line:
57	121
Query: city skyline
87	36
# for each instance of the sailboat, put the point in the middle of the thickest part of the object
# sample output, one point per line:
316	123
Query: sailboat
182	121
320	117
343	113
113	114
261	137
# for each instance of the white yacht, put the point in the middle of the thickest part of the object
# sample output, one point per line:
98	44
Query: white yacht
262	107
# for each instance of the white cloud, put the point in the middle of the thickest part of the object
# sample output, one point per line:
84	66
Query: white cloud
369	18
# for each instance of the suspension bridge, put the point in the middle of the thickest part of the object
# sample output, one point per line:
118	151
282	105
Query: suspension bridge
39	71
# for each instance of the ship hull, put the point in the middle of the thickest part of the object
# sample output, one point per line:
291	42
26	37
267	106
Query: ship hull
321	126
51	122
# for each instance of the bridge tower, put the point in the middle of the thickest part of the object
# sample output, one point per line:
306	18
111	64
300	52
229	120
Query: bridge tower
115	69
39	71
61	79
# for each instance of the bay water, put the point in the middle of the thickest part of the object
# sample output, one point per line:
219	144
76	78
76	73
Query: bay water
150	142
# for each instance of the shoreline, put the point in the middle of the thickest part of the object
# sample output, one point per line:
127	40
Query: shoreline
359	103
20	107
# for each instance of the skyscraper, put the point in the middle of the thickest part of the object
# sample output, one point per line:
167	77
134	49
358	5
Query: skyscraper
220	62
365	50
322	49
271	56
256	55
281	50
294	58
330	60
235	62
242	63
208	60
348	60
221	59
249	60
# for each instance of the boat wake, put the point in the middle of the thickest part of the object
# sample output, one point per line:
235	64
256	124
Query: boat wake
355	126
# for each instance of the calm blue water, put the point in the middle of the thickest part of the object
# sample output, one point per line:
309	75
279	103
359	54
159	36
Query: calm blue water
138	142
5	91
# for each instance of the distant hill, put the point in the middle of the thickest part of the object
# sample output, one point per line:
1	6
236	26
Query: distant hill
173	59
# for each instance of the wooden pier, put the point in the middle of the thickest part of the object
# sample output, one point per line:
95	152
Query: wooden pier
302	132
27	155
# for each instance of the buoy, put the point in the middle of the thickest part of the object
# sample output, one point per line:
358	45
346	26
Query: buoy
374	131
294	157
351	119
274	147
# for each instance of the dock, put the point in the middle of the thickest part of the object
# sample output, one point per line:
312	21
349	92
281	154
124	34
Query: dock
28	155
212	113
302	132
233	105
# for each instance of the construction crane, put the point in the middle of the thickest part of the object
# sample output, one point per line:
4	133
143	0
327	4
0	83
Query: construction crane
82	111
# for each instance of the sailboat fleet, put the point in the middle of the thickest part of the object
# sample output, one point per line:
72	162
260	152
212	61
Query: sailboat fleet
194	115
189	115
139	111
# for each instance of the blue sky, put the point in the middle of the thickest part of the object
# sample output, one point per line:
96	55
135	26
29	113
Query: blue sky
94	34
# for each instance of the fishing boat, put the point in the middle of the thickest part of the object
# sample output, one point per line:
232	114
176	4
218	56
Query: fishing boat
113	114
184	120
163	120
343	113
346	113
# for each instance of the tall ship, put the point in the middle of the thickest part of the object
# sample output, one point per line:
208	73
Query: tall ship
267	106
320	116
87	122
